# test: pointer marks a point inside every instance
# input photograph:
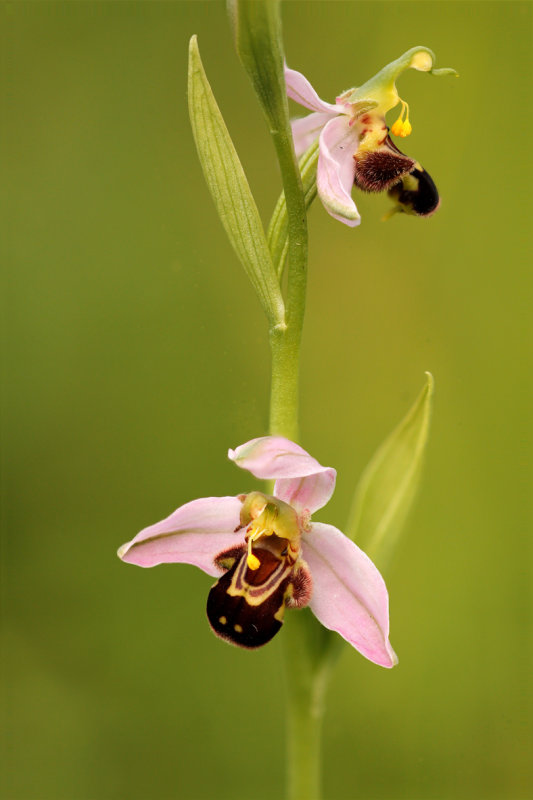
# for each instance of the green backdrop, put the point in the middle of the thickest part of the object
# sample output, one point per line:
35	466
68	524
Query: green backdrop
136	355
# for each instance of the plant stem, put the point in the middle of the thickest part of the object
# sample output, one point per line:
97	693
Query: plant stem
257	27
304	731
285	349
304	641
305	675
309	655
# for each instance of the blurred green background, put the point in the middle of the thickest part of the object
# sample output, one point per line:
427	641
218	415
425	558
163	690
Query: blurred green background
136	355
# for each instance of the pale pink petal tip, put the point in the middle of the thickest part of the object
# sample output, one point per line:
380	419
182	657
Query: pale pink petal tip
349	594
194	534
300	480
300	90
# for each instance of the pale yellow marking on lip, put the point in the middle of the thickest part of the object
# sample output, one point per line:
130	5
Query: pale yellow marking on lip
222	620
238	628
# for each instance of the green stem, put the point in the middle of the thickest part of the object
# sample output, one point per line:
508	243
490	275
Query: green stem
258	36
308	656
305	683
285	341
304	734
284	390
278	239
304	641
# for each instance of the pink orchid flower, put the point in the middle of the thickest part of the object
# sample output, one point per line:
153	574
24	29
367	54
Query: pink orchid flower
354	142
268	555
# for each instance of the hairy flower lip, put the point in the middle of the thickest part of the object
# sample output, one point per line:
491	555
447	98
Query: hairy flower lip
348	596
416	193
379	169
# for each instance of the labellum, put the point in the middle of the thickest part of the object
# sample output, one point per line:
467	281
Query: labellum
381	167
247	604
385	167
416	193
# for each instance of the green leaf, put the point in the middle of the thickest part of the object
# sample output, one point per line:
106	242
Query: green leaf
258	40
278	230
389	483
230	190
256	28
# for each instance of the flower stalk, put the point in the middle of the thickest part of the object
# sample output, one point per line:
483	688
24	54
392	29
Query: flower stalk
284	386
257	27
258	40
306	677
308	662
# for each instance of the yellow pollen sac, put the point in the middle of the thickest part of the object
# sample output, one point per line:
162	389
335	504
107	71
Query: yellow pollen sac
402	127
273	522
252	561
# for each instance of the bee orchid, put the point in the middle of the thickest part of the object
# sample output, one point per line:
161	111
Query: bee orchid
355	147
268	555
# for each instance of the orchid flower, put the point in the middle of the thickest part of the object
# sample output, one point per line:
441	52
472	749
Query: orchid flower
354	142
269	555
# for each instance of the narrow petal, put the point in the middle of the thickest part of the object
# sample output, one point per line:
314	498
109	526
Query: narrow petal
300	480
306	129
336	170
194	534
349	594
300	90
308	493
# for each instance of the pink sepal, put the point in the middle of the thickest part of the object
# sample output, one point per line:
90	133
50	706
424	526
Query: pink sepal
300	90
349	594
336	170
194	534
300	480
306	129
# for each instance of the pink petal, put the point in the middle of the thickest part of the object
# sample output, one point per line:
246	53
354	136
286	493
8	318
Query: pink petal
194	534
308	493
306	129
300	90
336	170
349	594
300	480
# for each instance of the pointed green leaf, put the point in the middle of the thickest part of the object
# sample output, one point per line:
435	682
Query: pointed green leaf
278	230
230	190
256	28
259	43
389	483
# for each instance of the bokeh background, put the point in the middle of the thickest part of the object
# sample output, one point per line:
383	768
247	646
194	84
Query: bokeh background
136	355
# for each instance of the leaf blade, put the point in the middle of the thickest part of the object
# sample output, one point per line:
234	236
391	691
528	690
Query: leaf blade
389	483
258	37
230	189
278	230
